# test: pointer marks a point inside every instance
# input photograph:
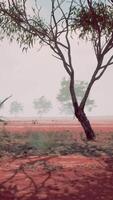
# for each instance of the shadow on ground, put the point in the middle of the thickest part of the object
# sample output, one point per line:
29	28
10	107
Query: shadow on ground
38	179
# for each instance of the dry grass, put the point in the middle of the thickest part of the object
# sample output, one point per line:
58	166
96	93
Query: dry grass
58	143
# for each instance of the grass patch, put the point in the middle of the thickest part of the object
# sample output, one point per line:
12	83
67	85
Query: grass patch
63	143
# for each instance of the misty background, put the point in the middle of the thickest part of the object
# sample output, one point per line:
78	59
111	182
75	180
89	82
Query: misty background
28	76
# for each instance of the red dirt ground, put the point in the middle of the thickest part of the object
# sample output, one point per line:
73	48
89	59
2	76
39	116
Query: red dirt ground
47	126
72	177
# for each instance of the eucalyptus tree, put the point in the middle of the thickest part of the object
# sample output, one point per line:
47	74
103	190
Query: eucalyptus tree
90	19
15	107
42	105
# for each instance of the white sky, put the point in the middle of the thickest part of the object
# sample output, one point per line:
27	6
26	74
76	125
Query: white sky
30	75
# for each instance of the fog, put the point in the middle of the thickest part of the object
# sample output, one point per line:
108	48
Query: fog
28	76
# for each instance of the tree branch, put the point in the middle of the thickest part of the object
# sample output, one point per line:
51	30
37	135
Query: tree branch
83	102
108	46
108	63
2	102
103	68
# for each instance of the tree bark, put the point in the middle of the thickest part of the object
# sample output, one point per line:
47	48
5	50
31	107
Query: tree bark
79	112
81	116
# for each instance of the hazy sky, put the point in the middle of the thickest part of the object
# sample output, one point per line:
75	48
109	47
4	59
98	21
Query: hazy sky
30	75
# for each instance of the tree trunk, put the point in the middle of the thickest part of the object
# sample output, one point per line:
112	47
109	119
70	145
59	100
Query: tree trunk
81	116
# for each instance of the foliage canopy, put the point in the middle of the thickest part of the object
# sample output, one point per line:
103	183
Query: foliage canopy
42	105
16	107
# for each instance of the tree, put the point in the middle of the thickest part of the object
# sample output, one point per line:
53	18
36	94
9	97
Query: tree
64	96
42	105
90	19
2	104
16	107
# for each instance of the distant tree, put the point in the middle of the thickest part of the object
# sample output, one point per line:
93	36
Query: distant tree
64	96
42	105
16	108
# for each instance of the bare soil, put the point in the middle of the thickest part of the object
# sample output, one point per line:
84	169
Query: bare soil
53	125
56	177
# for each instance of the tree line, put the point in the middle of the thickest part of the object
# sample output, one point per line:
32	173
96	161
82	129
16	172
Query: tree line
42	105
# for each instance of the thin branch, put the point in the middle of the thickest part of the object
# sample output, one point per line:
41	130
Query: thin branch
63	45
95	78
70	8
56	57
2	102
54	19
57	43
59	6
99	76
83	102
104	67
108	63
108	46
66	66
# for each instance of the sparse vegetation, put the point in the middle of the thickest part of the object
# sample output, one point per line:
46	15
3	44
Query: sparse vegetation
64	143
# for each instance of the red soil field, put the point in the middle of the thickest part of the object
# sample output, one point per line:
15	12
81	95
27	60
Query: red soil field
71	177
54	125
